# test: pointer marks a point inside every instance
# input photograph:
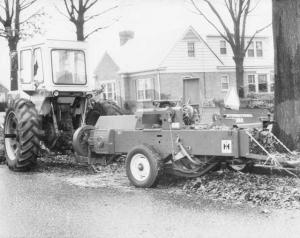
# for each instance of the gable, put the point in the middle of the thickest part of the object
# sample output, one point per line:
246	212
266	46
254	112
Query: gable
190	36
205	60
107	69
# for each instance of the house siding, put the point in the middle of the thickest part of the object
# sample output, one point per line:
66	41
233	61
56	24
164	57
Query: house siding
179	61
265	60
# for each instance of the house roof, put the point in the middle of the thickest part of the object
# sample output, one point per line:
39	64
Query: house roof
146	51
3	89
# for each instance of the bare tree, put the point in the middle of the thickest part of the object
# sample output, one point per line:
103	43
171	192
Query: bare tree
286	31
238	11
15	20
78	13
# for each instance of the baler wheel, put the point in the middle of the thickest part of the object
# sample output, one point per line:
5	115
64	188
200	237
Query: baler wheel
80	140
143	166
22	132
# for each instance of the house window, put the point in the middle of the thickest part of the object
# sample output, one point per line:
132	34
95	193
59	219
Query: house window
191	49
251	83
109	91
272	82
224	83
251	50
145	89
223	50
262	83
259	49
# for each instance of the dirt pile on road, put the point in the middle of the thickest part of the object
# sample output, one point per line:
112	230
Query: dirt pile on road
239	188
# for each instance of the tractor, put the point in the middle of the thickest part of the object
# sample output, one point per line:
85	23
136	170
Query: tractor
53	99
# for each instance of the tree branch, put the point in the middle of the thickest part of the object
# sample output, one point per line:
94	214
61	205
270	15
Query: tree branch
98	29
26	4
209	21
253	36
86	6
101	13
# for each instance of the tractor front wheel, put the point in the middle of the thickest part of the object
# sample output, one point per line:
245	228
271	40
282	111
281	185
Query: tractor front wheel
21	135
143	166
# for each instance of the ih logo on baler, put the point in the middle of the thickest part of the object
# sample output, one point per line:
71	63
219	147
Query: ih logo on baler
226	146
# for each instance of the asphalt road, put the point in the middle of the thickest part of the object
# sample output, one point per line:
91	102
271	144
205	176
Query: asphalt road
40	204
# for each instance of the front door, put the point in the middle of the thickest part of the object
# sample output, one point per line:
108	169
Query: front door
191	92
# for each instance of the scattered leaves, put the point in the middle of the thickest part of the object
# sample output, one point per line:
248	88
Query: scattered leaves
238	188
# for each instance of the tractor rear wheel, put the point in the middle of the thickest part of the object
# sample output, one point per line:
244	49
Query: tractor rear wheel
105	108
21	135
143	166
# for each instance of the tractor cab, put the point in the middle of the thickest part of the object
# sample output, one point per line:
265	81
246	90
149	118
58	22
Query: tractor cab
53	66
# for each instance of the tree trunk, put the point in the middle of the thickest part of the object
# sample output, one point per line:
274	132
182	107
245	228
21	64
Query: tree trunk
239	73
12	44
286	21
80	31
80	24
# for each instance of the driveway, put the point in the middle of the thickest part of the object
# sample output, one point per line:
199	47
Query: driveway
55	204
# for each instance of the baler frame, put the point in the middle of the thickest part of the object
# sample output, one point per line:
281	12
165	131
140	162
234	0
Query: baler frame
160	137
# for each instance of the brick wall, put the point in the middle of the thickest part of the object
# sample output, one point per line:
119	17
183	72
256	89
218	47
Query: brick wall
209	85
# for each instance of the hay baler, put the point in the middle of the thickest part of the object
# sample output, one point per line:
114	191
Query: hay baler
157	141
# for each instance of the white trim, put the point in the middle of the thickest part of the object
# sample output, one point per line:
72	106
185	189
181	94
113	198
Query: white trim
268	77
158	85
247	67
144	90
254	42
114	91
228	82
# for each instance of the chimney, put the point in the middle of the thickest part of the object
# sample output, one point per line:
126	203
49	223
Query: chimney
125	36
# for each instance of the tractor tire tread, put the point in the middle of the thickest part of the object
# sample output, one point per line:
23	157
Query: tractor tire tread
30	132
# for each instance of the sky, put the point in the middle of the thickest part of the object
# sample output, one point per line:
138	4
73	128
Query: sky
136	15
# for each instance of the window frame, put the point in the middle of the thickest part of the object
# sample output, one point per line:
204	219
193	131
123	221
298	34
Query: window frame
144	99
256	49
114	91
31	66
223	48
63	49
252	48
253	83
272	76
42	63
267	83
191	52
225	76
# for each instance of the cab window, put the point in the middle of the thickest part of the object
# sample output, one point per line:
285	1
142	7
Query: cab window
37	66
68	67
25	66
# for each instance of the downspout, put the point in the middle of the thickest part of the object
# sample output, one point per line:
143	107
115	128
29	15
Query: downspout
158	84
204	82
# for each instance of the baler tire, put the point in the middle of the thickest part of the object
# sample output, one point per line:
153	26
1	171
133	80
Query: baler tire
22	133
147	157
